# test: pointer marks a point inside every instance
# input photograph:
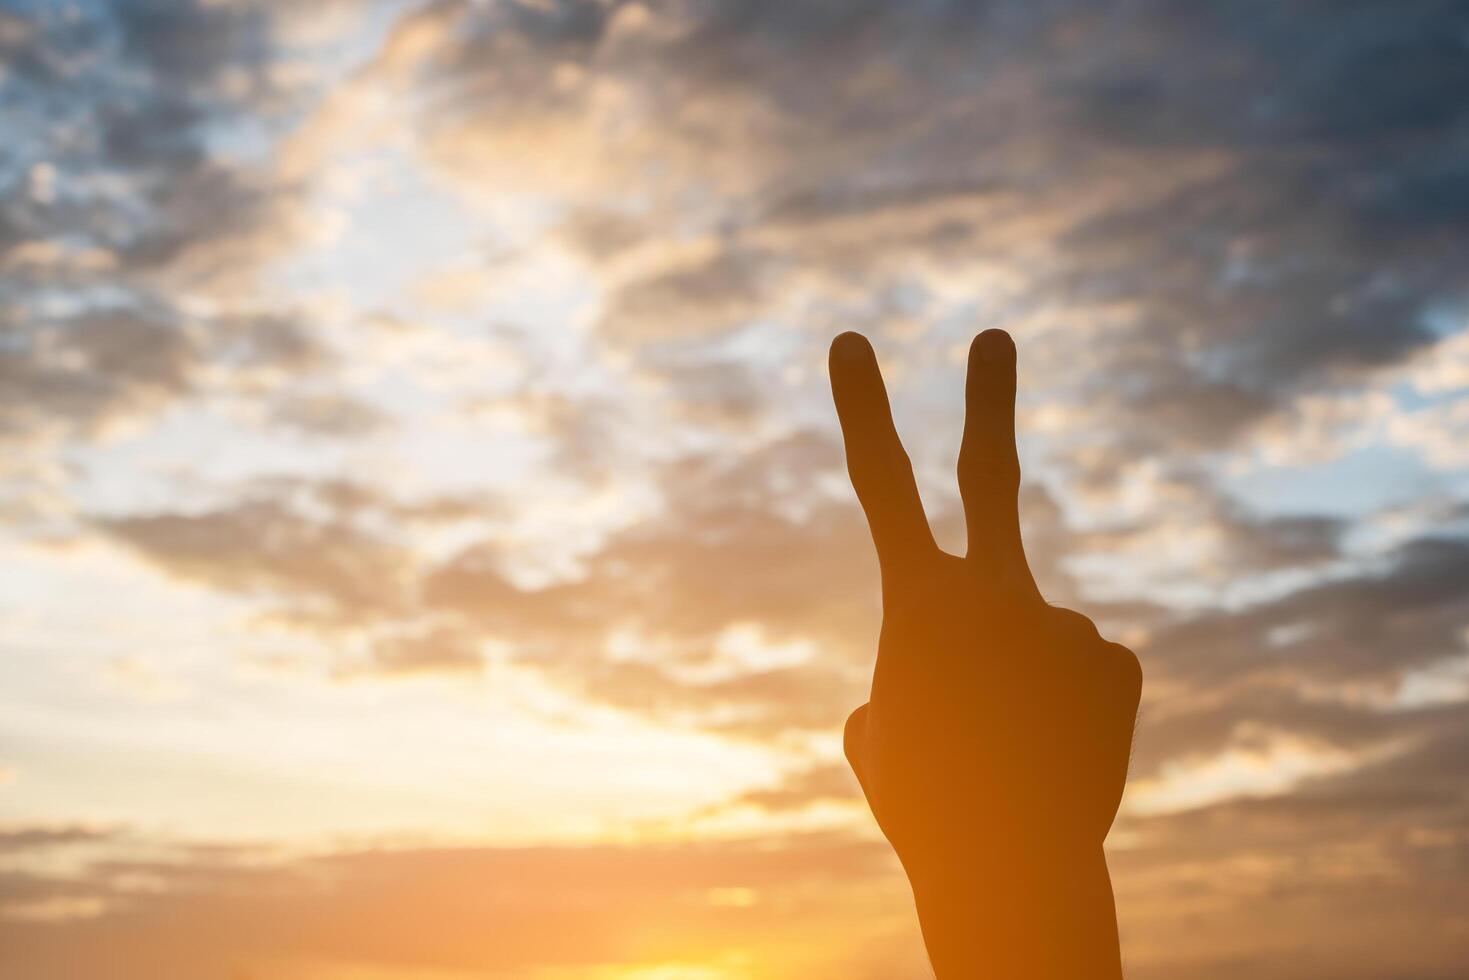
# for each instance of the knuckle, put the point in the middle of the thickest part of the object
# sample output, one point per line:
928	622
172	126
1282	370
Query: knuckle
1118	662
989	468
1127	666
1074	624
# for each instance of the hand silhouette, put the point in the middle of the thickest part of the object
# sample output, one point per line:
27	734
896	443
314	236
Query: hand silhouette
994	746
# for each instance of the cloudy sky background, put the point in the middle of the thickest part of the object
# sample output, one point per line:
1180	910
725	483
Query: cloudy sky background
426	548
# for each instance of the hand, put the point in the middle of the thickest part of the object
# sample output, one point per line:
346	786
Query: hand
994	746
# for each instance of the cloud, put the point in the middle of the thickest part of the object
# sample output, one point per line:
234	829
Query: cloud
800	789
1385	836
138	178
327	558
437	650
265	548
1145	159
84	376
1325	667
1366	626
1188	891
1226	238
720	554
328	414
125	208
510	911
722	288
22	838
93	371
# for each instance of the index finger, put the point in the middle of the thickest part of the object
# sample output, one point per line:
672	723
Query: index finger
880	469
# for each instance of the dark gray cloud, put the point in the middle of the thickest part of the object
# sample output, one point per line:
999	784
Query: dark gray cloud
91	370
117	103
82	373
1277	206
1322	664
114	193
1365	626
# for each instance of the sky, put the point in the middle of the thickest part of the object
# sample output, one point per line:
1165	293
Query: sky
427	552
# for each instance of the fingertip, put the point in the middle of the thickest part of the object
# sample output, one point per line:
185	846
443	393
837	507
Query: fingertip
850	346
993	347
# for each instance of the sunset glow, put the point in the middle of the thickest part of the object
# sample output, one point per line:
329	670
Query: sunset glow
427	548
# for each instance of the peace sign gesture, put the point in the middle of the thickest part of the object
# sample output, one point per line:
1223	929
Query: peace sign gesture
994	746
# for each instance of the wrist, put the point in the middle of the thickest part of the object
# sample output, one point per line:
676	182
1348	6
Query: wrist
1019	913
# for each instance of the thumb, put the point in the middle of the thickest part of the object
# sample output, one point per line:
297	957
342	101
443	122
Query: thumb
854	741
